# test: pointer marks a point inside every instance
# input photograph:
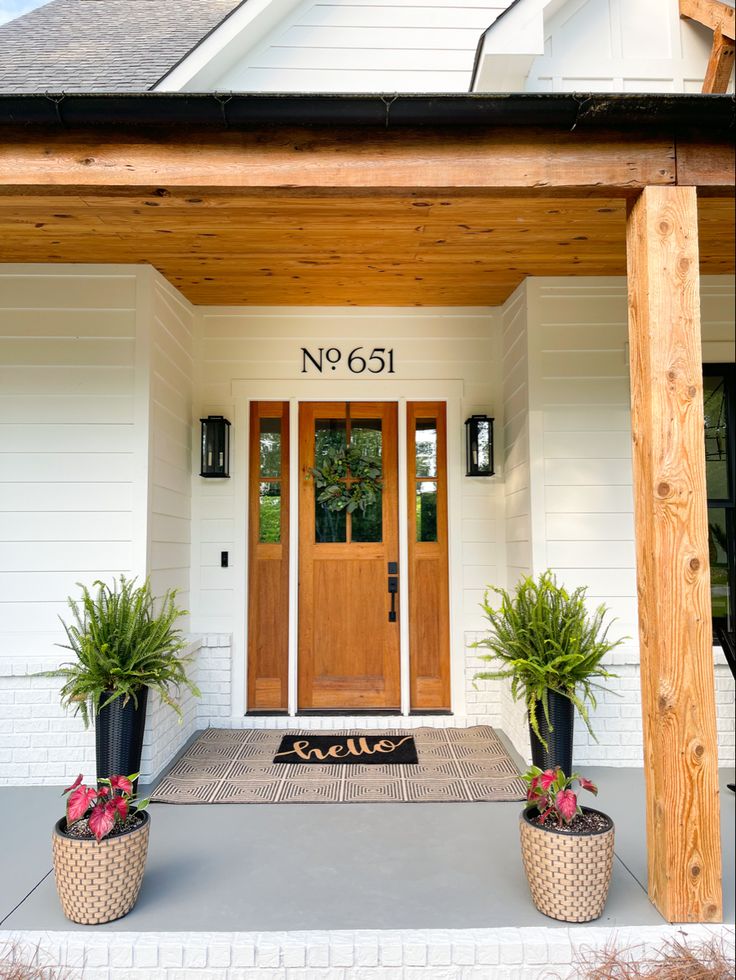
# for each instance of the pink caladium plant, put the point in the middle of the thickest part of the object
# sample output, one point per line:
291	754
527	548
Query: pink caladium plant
104	807
549	792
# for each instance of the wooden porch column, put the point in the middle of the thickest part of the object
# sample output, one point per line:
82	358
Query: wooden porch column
673	574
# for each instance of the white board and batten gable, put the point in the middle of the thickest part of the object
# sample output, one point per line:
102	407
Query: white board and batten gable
593	46
339	46
445	46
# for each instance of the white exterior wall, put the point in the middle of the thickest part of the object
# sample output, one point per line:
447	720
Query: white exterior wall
345	46
583	505
95	481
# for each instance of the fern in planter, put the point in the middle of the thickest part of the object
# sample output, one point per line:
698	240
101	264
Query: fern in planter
122	645
545	639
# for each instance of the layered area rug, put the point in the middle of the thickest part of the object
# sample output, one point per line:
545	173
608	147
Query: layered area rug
455	765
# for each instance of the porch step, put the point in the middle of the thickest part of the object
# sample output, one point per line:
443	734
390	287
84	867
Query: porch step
464	954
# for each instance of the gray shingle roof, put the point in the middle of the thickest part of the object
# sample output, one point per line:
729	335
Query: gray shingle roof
102	45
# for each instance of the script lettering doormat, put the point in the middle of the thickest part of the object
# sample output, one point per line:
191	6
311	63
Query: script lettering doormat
331	750
239	766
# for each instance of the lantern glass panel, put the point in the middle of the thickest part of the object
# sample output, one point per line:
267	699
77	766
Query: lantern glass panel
215	447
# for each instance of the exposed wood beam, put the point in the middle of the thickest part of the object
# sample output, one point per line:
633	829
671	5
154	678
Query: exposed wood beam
502	162
673	578
710	13
719	17
720	64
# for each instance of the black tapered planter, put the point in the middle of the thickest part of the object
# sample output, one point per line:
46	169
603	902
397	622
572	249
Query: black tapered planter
119	736
559	740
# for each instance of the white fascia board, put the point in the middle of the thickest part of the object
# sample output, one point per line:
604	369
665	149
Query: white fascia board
237	34
512	43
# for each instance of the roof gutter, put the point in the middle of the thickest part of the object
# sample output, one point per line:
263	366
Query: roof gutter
173	112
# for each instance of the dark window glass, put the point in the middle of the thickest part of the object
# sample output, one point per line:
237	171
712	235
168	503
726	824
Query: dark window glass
719	402
426	508
270	445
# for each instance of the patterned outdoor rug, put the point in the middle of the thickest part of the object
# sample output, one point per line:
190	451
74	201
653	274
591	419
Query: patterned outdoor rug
236	766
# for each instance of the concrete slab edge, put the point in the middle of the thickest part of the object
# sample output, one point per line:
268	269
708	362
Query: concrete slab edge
548	953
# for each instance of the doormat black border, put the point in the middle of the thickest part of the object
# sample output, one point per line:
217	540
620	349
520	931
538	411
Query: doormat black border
367	750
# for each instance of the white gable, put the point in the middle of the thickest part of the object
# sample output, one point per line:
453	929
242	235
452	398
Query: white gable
593	46
340	46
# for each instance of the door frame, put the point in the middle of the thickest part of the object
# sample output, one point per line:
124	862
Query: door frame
297	390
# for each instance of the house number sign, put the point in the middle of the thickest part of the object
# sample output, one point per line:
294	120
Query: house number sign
360	360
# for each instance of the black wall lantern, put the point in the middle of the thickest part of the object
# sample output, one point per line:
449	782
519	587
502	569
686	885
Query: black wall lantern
215	446
479	446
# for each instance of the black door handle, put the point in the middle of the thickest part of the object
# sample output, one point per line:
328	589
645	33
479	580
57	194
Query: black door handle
393	588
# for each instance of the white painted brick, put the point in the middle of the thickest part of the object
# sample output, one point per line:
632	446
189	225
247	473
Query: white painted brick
195	957
121	953
145	956
463	953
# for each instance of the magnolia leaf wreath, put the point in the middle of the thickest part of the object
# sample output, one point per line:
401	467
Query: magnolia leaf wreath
330	480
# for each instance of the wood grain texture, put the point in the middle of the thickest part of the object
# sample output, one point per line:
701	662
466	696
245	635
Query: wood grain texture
673	578
720	64
429	599
711	13
268	577
502	159
348	650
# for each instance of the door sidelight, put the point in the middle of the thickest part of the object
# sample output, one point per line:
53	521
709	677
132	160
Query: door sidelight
393	588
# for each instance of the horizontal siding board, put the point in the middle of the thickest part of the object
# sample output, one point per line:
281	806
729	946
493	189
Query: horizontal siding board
60	556
72	352
590	527
604	499
59	323
451	17
85	496
382	38
74	409
572	445
67	291
66	467
92	438
67	526
99	381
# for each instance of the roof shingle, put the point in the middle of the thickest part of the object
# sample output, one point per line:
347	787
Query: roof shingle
102	45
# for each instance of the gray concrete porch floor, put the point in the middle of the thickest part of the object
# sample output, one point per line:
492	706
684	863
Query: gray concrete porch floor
333	866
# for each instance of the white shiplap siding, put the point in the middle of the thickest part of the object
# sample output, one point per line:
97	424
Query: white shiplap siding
67	362
370	46
171	394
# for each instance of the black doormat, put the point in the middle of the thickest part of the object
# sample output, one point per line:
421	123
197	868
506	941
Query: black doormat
335	750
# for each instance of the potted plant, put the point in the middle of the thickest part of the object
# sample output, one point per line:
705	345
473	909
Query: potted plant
100	849
567	849
124	645
551	647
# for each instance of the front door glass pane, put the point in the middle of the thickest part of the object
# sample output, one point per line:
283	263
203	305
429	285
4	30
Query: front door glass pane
270	447
330	526
426	510
366	445
426	447
269	510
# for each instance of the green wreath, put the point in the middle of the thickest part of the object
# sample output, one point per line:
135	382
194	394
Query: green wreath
336	494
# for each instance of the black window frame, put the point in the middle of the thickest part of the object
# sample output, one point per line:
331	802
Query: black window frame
728	372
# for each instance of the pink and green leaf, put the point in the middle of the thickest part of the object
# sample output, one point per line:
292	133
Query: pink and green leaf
77	782
566	803
79	802
586	784
102	819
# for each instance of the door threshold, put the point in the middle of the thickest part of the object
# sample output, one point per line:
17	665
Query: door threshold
347	712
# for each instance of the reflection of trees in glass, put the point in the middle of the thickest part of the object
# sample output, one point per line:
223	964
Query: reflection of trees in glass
270	513
426	448
426	508
714	399
270	447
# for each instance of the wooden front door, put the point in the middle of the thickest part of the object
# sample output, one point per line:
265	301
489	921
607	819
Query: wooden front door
348	618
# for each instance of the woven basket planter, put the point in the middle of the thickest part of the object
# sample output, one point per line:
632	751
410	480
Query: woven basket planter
99	882
568	874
